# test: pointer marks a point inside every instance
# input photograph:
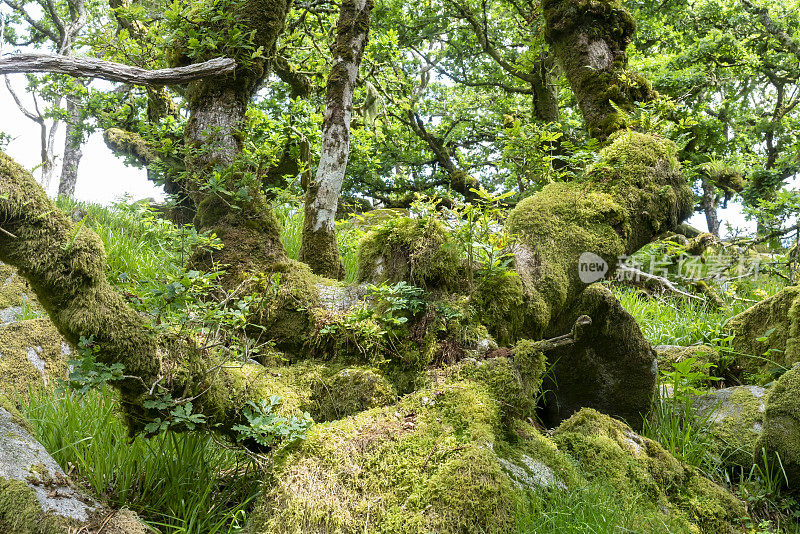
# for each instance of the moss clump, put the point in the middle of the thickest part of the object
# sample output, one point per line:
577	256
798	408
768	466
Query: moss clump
734	417
769	329
287	313
499	300
21	512
14	291
348	392
514	382
419	251
429	463
782	425
16	417
517	393
31	355
639	469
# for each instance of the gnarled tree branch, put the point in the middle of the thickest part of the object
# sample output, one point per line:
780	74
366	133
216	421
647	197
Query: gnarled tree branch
115	72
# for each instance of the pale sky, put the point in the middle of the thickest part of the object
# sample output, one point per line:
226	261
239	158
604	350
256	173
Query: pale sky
103	178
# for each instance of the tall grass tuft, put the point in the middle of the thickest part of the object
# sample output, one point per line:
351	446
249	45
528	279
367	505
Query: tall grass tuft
181	483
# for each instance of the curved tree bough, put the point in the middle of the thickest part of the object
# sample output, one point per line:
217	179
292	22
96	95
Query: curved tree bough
85	67
65	265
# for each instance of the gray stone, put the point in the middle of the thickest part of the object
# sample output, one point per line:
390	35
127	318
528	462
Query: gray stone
23	458
734	417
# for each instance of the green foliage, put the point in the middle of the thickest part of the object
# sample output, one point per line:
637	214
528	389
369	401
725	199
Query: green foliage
87	373
672	421
266	427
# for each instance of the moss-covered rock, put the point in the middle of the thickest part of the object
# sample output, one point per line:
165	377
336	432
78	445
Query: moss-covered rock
420	251
768	332
782	425
515	382
638	468
734	416
437	461
35	495
32	353
610	366
348	392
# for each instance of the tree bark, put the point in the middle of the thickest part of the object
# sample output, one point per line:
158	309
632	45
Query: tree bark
709	205
73	151
590	42
85	67
319	248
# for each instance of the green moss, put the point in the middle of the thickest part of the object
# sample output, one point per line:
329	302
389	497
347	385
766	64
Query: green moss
14	291
287	315
27	342
21	512
782	425
16	417
640	469
419	251
499	300
131	145
426	464
320	251
768	332
348	392
556	226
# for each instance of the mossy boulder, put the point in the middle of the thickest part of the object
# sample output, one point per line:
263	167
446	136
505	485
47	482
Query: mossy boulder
782	425
32	353
437	461
640	469
734	416
37	497
610	367
348	392
514	381
420	251
768	332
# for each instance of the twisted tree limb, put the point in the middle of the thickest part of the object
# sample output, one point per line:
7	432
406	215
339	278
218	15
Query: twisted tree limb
85	67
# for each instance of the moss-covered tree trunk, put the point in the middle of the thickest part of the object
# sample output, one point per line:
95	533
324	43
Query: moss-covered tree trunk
589	40
319	248
233	207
